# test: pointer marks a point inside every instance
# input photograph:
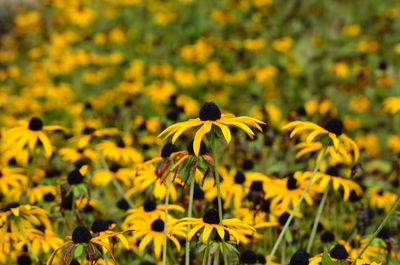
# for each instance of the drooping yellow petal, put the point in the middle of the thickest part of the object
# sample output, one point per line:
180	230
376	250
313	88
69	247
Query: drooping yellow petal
206	232
194	230
225	131
199	135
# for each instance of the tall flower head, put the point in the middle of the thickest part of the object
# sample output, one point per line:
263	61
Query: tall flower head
333	131
210	118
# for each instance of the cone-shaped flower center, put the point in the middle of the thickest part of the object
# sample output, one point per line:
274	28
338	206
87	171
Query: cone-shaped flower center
335	126
120	143
35	124
333	171
211	217
327	237
115	167
198	193
209	112
75	177
11	206
256	186
99	225
158	225
300	258
240	178
40	228
88	130
24	260
385	233
248	256
283	218
339	252
168	149
81	235
203	148
123	204
291	183
149	205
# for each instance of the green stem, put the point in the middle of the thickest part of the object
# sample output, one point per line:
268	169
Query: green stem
286	226
390	213
114	180
192	182
28	243
316	221
217	178
205	257
164	261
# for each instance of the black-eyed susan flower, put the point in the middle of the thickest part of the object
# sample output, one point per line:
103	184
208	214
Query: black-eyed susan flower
120	152
152	230
81	237
42	239
331	177
392	105
333	129
210	116
29	134
337	253
211	222
374	252
12	179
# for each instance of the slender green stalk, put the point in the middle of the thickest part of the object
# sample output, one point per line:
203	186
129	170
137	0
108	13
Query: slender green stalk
390	213
286	226
192	182
316	221
28	243
114	180
217	178
166	219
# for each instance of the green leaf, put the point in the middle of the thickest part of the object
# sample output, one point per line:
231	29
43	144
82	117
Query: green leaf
326	260
78	250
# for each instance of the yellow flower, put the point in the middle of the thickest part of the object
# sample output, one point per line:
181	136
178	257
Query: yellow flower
392	105
393	142
333	129
119	152
29	134
352	29
210	222
331	176
153	230
283	44
254	44
210	115
12	181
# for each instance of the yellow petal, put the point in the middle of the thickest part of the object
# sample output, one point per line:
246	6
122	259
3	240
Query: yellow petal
225	131
199	135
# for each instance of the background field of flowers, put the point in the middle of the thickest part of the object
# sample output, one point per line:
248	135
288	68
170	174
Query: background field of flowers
115	73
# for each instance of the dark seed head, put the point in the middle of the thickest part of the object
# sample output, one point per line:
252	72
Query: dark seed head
157	225
149	205
383	65
300	258
335	126
256	186
35	124
24	260
40	228
75	177
74	262
120	143
123	204
384	233
261	259
283	218
333	171
198	193
327	237
114	167
211	216
291	183
354	197
81	235
339	252
81	162
11	205
266	205
248	257
301	111
240	178
168	149
48	197
209	112
203	148
88	130
99	225
247	164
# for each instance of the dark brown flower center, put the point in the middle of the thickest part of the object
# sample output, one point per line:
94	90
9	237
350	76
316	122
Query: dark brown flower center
339	252
99	225
158	225
209	112
291	183
240	178
211	217
335	126
81	235
35	124
168	149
